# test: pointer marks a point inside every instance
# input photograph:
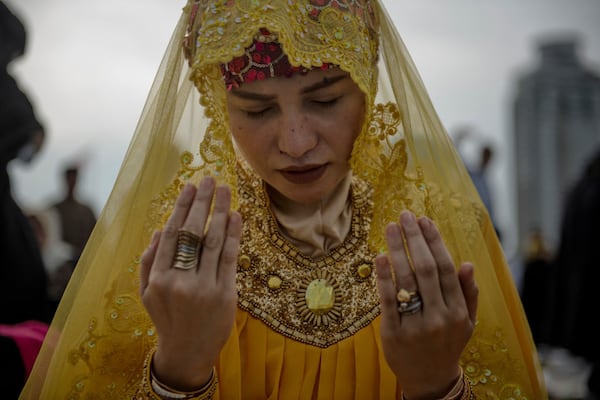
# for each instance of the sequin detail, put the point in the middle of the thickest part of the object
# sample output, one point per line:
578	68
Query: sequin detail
314	293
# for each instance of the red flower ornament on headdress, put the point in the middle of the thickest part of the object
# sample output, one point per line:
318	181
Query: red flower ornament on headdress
261	60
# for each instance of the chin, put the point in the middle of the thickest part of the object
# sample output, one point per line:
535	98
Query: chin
302	194
306	199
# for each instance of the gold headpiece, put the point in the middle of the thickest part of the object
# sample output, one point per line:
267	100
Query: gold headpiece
311	33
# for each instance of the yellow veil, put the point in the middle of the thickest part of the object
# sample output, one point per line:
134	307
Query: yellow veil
101	333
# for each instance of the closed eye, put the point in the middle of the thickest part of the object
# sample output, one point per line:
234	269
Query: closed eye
257	114
326	103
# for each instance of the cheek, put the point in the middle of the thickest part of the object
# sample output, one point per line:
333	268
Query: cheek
248	143
361	115
355	119
240	139
237	129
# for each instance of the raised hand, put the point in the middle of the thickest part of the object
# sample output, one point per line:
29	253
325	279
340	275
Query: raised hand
423	343
192	303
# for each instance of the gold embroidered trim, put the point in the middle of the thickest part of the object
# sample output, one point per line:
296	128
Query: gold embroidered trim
490	367
298	296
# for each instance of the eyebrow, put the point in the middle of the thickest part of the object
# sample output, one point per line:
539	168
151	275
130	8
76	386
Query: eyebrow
323	83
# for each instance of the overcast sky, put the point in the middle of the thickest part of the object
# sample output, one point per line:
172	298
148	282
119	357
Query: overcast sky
89	66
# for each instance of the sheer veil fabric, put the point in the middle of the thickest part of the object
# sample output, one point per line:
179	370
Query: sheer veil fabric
101	333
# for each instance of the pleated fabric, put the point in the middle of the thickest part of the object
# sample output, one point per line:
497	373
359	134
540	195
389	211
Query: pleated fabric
353	368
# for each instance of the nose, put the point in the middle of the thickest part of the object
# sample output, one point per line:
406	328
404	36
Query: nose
296	137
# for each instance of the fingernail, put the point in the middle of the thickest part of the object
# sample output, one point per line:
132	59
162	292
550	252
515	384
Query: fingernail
391	228
187	191
223	193
207	183
425	223
407	218
381	261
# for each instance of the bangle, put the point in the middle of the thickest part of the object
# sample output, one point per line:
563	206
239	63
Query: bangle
159	391
460	391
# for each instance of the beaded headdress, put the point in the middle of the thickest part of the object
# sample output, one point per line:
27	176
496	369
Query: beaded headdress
263	59
338	32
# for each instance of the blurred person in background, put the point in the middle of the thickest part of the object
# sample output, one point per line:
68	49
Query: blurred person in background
479	175
23	295
76	219
576	274
535	286
24	309
59	256
479	169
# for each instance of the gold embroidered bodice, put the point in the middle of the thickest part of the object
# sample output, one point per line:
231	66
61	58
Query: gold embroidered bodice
318	301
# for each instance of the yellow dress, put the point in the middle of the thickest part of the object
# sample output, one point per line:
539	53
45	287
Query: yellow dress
328	346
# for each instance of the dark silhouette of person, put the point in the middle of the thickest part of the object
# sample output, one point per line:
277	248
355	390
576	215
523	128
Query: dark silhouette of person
22	274
24	308
77	219
58	256
479	176
480	171
574	286
534	292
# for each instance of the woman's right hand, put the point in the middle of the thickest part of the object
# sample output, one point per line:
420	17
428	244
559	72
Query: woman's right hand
193	310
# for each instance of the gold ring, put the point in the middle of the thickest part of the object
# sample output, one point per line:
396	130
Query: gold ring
408	302
404	295
188	248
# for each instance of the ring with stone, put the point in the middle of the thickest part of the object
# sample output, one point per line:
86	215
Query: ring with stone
408	302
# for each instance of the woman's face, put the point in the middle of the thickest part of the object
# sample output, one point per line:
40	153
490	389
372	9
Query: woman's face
297	132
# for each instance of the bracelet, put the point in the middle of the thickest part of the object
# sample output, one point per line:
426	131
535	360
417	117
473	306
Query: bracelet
467	389
460	391
159	391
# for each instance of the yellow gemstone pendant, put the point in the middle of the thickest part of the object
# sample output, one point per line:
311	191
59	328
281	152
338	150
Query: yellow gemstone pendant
319	296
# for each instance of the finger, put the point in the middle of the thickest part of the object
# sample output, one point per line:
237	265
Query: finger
197	216
448	279
215	235
423	262
466	275
404	275
146	261
387	292
166	246
229	254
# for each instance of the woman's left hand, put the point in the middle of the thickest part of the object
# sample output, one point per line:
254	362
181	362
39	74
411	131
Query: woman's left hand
423	348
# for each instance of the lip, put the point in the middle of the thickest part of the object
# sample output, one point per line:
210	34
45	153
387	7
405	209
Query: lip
304	174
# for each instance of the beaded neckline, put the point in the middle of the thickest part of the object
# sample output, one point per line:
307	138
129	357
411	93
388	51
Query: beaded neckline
318	301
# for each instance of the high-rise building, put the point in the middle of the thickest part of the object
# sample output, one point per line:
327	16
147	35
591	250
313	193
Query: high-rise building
556	130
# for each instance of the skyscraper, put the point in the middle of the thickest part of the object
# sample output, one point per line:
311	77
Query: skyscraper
556	128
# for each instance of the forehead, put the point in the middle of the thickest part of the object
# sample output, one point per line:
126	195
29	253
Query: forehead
312	80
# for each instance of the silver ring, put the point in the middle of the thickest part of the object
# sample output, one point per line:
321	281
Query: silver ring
187	250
